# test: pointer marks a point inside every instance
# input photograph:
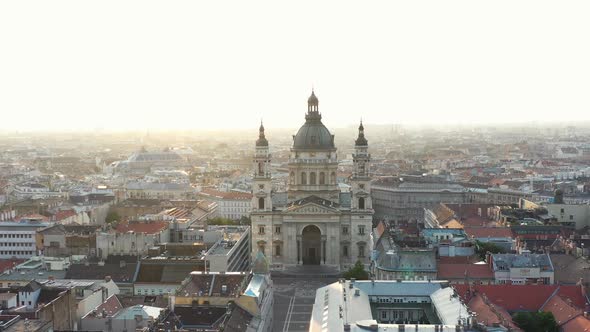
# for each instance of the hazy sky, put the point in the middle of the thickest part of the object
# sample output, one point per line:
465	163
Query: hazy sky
226	64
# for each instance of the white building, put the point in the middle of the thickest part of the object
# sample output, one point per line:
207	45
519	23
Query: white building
574	215
523	268
316	226
394	306
132	238
230	204
18	239
231	253
155	190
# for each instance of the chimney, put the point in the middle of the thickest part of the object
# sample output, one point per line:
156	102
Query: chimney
171	302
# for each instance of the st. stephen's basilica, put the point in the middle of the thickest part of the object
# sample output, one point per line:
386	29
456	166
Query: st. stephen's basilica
319	225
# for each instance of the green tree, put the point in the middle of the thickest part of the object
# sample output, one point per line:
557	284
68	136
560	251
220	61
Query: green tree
245	221
112	216
221	221
483	247
536	321
357	271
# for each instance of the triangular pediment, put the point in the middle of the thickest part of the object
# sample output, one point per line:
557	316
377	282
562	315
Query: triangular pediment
313	205
311	208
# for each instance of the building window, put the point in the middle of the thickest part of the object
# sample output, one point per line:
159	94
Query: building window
277	250
362	203
261	230
278	229
312	178
303	178
322	178
292	178
344	229
361	229
361	250
383	314
261	203
333	178
571	217
345	251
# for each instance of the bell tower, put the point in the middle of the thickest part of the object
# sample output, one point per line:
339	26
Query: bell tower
361	181
262	184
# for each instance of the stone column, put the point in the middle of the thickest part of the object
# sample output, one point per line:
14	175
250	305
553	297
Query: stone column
299	249
323	249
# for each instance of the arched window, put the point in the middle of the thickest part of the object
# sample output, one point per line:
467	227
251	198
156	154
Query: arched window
322	178
277	250
312	178
362	203
333	178
260	169
261	203
303	178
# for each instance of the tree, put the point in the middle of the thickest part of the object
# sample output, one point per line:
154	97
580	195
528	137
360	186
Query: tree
536	321
112	216
484	247
357	271
245	221
221	221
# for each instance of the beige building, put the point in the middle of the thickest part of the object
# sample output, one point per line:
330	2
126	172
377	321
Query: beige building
317	226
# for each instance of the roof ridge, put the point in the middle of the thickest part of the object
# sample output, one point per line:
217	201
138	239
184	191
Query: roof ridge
550	297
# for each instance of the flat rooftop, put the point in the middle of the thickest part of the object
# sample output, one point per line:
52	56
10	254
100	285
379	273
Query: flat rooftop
352	304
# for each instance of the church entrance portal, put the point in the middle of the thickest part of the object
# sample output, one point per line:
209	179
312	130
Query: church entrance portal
312	241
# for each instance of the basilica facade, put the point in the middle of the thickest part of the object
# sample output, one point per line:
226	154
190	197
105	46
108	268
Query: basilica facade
319	224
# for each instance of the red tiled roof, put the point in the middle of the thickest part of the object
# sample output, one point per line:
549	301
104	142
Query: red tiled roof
483	232
574	294
561	309
63	214
489	313
460	271
6	264
111	306
512	297
148	227
475	221
578	324
522	297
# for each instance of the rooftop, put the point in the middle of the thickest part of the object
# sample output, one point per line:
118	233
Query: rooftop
348	302
230	284
147	227
230	195
507	261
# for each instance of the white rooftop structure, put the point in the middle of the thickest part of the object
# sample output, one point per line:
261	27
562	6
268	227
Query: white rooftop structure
384	305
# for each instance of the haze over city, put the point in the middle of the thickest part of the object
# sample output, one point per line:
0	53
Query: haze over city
151	65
